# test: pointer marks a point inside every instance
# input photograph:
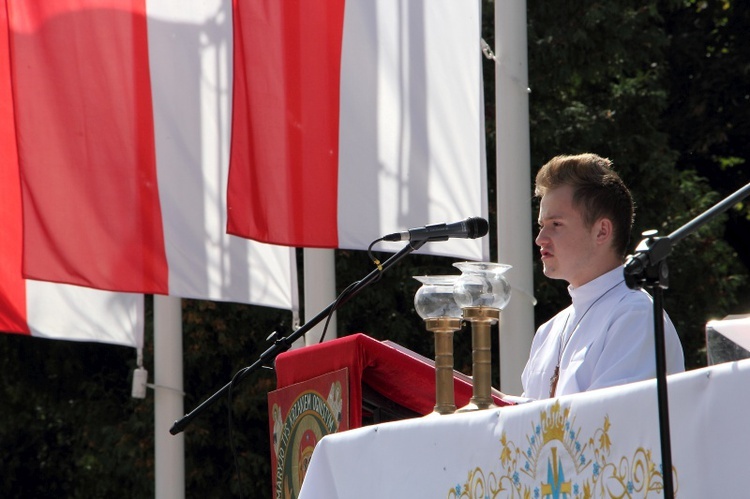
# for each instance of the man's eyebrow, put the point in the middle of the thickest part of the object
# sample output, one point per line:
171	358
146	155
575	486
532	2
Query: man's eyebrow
550	217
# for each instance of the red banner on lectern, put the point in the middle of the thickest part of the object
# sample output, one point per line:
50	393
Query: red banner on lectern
299	416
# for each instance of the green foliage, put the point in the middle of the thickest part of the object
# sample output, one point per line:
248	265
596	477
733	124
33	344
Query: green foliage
709	105
67	420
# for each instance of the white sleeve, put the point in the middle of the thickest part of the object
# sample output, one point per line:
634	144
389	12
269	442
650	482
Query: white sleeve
628	353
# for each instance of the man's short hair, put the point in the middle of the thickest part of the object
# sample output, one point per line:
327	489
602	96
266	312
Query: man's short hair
598	192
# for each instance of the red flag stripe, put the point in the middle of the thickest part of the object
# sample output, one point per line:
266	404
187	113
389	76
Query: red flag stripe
286	107
12	288
96	123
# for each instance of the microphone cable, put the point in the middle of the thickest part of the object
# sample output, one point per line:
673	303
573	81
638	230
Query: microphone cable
335	306
349	288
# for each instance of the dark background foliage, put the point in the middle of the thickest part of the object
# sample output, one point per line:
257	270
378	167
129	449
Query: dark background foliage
661	88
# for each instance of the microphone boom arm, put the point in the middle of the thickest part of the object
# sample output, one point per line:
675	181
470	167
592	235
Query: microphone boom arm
284	343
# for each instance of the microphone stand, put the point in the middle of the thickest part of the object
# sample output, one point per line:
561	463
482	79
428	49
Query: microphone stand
647	268
282	344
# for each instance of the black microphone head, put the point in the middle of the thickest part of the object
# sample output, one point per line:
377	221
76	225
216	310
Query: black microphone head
476	227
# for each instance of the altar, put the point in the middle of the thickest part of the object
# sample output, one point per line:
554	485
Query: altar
603	443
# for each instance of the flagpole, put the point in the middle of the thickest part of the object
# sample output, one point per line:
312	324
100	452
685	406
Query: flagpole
169	451
514	218
320	290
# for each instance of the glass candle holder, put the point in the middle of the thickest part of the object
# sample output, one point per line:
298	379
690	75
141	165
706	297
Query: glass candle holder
482	292
482	285
435	303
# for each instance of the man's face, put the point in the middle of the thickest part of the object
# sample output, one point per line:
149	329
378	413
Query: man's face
567	246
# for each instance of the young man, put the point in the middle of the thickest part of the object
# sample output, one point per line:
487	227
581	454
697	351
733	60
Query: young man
606	336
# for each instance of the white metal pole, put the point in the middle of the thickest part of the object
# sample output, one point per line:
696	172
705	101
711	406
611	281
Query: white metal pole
514	220
320	290
168	398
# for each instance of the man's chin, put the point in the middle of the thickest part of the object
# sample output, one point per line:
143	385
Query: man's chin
551	272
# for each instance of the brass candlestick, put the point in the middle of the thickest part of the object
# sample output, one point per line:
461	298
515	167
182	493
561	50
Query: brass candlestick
443	328
481	319
482	292
435	303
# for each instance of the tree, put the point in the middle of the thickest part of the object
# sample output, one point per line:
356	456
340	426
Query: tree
709	106
67	421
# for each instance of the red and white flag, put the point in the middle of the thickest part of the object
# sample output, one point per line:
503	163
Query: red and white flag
46	309
122	121
356	118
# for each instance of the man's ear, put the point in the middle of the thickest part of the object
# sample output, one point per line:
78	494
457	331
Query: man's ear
604	230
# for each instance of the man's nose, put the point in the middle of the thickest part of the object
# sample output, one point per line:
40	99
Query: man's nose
540	237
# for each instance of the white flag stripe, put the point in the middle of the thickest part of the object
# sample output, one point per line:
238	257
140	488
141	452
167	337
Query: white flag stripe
190	51
401	162
65	312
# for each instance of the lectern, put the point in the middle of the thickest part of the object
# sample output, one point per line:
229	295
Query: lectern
344	383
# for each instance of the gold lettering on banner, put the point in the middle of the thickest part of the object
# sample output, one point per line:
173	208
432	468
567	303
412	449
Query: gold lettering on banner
308	420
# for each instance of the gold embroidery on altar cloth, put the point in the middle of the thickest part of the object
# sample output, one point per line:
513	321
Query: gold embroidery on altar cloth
558	459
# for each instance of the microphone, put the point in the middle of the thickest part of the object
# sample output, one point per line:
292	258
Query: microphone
471	228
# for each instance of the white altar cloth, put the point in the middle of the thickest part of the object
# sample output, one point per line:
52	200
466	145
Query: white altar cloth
603	443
